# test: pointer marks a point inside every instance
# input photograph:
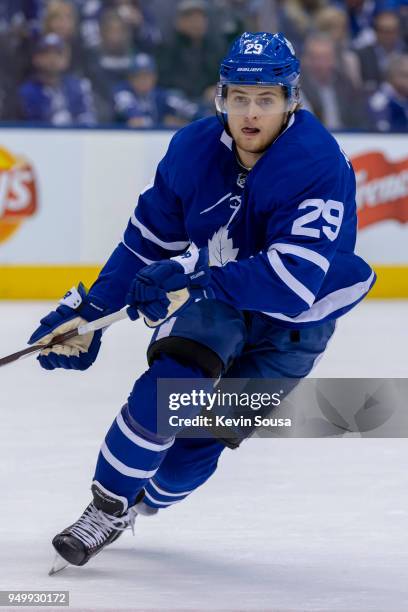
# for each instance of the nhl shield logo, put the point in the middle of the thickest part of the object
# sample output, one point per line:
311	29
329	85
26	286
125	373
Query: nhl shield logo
241	179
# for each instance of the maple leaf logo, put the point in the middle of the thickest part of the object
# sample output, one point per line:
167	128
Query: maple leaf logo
221	248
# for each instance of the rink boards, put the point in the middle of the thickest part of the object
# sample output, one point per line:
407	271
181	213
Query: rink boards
66	196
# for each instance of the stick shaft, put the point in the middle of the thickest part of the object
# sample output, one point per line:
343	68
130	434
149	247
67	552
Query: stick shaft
177	298
80	331
101	323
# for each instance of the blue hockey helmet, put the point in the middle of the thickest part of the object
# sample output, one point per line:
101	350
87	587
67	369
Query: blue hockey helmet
262	59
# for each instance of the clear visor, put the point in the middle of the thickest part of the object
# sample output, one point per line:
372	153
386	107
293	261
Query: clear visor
253	100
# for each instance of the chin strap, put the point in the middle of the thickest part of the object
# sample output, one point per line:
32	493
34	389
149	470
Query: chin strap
222	118
285	123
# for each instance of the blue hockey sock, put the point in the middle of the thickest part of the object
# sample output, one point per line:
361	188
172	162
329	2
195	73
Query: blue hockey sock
157	497
132	451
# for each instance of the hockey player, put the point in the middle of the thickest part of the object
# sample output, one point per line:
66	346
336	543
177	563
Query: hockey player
269	195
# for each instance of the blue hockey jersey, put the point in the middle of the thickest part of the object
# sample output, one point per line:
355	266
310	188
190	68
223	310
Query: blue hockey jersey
152	108
281	237
68	103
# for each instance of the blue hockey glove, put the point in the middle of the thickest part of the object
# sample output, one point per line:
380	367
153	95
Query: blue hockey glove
163	288
79	353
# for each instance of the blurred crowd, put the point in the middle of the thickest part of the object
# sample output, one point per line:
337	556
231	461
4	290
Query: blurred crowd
150	63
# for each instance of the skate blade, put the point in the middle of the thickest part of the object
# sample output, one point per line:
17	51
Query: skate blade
58	565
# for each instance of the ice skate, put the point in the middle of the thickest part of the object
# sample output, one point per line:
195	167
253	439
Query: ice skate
101	523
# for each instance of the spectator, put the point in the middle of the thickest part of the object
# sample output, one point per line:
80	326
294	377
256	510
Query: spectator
51	96
33	13
140	103
8	105
226	18
266	16
374	58
360	18
403	16
189	62
10	15
329	94
389	104
19	21
61	18
108	64
89	16
163	12
296	19
229	18
21	18
333	22
144	32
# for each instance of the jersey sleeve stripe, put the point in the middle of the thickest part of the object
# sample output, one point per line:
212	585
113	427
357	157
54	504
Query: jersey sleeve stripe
303	253
144	259
289	280
332	302
148	186
146	233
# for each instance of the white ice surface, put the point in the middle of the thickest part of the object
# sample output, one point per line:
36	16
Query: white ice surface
289	524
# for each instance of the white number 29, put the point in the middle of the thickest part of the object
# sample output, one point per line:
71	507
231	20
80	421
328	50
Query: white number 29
255	48
331	211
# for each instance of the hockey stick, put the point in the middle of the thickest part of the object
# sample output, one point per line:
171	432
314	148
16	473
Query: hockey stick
177	299
80	331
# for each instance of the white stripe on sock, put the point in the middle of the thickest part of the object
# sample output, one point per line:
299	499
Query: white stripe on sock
122	468
158	502
163	492
138	440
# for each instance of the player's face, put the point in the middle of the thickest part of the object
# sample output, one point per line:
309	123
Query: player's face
255	117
